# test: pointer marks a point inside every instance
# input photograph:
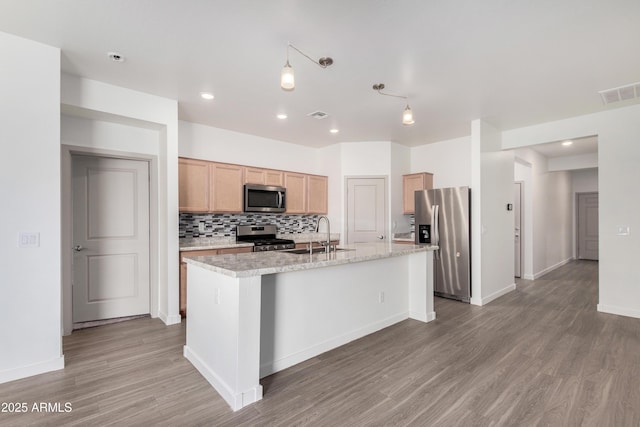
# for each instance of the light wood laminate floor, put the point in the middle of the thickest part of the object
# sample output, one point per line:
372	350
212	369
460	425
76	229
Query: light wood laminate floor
541	355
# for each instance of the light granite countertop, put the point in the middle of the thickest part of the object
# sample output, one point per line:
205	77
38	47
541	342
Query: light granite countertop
205	243
260	263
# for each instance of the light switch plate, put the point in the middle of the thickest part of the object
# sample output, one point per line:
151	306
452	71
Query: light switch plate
623	230
28	239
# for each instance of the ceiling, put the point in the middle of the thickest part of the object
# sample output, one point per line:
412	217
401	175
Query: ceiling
512	63
578	146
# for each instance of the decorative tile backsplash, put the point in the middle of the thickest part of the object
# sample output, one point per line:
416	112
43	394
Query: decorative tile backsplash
221	225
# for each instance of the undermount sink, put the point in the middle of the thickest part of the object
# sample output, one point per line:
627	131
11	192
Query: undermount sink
315	250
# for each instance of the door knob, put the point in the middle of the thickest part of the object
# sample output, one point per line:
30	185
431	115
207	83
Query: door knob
77	248
381	237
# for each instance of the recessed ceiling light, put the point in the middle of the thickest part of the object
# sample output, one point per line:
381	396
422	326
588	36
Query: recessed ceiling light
281	116
566	143
334	131
206	95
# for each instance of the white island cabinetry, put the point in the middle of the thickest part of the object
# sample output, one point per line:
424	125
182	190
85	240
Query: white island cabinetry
251	315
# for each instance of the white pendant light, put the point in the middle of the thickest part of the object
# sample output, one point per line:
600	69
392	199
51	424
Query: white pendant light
407	116
287	80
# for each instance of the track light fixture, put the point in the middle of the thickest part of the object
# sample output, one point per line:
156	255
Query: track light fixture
287	80
407	114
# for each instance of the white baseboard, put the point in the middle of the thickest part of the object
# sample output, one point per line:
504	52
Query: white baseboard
270	367
486	300
235	400
31	370
173	319
550	269
428	317
620	311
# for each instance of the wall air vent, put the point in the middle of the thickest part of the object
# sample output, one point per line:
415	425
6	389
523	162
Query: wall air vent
622	93
318	115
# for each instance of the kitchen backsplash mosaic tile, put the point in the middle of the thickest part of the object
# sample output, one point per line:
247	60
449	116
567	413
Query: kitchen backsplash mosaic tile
220	225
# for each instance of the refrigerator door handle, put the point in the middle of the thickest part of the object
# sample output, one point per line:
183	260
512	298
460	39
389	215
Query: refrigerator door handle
436	228
436	223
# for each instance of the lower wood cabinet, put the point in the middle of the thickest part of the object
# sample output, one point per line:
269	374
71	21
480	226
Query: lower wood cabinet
204	252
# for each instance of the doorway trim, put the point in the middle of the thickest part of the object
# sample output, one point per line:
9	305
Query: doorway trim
67	151
521	230
576	222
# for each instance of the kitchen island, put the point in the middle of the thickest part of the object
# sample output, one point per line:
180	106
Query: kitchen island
254	314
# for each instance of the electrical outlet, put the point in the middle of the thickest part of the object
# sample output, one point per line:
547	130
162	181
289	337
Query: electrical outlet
28	240
217	296
381	297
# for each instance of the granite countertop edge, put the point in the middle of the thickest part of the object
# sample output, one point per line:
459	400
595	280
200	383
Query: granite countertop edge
288	262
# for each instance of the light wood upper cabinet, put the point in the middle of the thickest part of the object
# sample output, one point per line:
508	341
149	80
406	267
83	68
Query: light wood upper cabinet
272	177
193	185
412	183
263	176
218	187
226	188
317	194
296	185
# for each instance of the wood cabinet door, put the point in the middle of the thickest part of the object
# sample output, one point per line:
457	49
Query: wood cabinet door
263	176
193	185
254	176
273	177
226	188
317	194
412	183
296	185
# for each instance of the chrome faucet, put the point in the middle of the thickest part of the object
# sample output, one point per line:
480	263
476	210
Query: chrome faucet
328	243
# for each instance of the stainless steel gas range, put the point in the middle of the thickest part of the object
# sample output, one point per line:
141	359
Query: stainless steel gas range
263	237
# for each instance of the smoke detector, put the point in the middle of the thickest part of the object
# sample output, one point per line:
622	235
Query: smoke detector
622	93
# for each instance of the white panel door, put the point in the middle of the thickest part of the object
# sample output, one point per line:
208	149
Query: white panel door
588	226
366	208
110	238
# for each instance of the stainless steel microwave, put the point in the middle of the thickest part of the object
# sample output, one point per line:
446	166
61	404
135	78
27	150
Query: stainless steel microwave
264	198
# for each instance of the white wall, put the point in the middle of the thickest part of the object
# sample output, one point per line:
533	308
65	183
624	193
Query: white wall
400	164
551	214
30	192
100	134
582	161
492	224
449	161
523	172
220	145
618	132
119	105
585	180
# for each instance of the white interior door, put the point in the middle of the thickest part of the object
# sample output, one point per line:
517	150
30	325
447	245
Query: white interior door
366	208
110	238
517	224
587	226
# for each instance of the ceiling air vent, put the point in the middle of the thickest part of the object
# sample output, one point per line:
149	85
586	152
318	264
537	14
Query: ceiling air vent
318	115
621	93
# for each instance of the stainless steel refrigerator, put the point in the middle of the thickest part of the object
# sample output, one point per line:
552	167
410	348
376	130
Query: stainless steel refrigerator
442	217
